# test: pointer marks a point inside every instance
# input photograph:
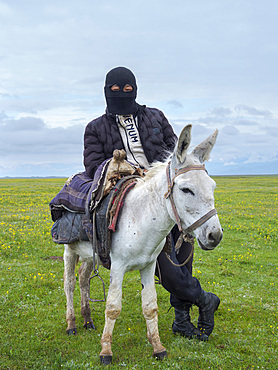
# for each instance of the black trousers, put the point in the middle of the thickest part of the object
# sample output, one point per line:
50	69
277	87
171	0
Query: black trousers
184	288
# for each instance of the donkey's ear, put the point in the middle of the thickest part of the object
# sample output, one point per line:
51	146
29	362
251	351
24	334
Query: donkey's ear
183	143
202	151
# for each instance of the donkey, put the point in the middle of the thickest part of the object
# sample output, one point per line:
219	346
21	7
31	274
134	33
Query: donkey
179	192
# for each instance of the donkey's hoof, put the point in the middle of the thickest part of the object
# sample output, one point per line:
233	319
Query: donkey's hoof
160	355
105	359
72	331
89	325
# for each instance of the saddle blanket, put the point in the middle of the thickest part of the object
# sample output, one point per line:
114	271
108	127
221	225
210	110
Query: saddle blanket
73	207
73	196
72	227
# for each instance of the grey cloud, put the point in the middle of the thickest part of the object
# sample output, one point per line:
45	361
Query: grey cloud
244	109
200	132
211	119
249	116
271	131
245	122
3	116
92	80
24	124
175	104
8	96
256	139
31	136
230	130
27	107
261	158
221	111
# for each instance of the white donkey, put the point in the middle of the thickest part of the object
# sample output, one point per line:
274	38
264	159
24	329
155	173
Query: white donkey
179	192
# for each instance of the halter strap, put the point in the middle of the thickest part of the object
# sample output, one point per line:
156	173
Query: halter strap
201	221
177	173
169	195
184	233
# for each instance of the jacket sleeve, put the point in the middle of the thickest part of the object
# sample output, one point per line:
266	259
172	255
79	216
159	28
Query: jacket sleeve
170	137
93	154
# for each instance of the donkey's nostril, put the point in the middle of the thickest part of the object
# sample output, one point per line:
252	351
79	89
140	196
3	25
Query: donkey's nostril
211	237
215	236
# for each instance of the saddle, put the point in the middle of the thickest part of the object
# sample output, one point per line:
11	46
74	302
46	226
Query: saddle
104	206
104	218
97	219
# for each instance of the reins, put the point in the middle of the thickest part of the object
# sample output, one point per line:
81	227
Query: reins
96	263
169	194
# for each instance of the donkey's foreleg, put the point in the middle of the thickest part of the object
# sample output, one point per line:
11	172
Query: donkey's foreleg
150	309
84	282
70	258
112	311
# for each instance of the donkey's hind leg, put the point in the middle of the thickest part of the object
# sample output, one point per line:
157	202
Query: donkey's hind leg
70	258
84	282
150	309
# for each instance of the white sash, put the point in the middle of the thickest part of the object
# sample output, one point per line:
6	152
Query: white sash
131	139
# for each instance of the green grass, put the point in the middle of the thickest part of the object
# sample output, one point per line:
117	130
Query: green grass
242	271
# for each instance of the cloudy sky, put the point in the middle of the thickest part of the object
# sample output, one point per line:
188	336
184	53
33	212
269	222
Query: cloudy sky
211	63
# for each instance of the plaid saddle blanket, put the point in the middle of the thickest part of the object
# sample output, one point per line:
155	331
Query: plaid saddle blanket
73	196
81	197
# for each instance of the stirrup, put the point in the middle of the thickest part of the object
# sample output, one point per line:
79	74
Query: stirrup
96	274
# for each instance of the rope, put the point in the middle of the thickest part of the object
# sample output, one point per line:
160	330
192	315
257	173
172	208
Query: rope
159	280
185	262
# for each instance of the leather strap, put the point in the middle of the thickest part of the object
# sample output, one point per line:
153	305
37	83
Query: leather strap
169	195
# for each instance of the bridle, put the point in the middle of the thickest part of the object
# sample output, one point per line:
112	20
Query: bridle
169	194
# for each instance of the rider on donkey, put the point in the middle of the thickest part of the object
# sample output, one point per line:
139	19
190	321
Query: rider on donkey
146	136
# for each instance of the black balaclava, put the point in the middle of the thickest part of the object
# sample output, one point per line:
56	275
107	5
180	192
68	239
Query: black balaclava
120	102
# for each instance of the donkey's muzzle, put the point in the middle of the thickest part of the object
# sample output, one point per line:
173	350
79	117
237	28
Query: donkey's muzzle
213	238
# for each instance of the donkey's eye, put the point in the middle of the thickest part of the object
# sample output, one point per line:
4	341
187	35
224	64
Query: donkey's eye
187	191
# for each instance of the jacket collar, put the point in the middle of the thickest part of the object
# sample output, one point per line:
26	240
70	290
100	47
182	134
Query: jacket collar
139	110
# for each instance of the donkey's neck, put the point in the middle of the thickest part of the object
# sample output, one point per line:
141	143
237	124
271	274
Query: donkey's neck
150	195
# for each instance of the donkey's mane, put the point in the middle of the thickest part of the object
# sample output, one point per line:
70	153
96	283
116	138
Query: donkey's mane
152	172
155	168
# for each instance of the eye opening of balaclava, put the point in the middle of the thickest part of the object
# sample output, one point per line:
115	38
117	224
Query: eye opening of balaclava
120	102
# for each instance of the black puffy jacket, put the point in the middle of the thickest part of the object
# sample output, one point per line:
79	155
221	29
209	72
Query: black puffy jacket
102	137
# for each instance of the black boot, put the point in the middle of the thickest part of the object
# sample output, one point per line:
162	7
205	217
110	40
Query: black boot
183	326
208	304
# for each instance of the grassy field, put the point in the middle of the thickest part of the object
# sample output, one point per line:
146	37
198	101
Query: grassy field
242	271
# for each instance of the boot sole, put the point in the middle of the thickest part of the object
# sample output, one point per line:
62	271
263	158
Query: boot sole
202	336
